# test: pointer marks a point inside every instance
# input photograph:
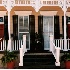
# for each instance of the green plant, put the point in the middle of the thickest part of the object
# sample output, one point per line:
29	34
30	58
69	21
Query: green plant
8	57
65	57
37	38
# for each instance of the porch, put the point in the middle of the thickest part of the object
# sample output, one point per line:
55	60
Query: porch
37	9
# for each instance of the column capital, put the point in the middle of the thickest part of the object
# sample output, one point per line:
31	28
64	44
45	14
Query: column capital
8	4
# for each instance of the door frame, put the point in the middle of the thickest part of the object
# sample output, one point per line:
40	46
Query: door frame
23	13
53	31
49	13
24	32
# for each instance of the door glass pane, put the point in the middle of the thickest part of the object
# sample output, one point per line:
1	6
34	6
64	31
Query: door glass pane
26	23
47	30
50	25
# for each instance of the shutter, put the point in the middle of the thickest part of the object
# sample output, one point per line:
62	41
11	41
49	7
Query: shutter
40	30
56	27
15	27
6	36
32	30
63	26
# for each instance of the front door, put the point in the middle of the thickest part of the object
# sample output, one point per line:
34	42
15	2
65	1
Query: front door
47	30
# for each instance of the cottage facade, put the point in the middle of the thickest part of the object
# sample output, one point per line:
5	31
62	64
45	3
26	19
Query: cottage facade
21	19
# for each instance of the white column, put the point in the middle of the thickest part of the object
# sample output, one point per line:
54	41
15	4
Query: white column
21	57
24	43
65	42
9	41
51	40
57	63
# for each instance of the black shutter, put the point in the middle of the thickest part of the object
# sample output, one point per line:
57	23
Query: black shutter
15	27
6	36
32	30
40	31
63	25
56	27
40	24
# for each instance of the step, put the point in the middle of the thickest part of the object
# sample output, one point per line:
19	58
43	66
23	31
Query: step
38	61
38	67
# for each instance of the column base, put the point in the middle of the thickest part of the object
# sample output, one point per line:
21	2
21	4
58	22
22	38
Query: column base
9	45
57	63
20	64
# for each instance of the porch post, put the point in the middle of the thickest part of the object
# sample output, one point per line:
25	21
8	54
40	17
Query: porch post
65	42
9	41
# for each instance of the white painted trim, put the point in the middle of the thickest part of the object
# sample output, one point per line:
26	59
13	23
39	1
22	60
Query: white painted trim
2	13
48	13
24	32
23	13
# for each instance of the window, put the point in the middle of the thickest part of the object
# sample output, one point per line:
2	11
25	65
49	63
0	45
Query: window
23	24
24	29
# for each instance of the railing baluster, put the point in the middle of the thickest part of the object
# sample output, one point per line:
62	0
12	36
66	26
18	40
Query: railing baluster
5	44
1	45
60	44
19	43
56	43
68	44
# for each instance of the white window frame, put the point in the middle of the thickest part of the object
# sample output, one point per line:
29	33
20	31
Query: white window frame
23	13
24	32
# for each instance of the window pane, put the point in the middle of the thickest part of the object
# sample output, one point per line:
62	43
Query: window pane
20	24
26	27
23	24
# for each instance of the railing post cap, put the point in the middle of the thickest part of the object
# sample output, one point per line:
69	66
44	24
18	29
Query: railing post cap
51	35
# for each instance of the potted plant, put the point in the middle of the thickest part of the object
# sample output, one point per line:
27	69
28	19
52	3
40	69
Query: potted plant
38	41
9	59
66	59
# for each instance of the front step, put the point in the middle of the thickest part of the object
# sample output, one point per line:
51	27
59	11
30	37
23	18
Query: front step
38	61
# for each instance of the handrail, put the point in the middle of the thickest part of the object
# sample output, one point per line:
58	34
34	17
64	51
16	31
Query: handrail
22	50
55	51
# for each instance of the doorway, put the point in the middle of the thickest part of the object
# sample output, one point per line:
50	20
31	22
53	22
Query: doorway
48	28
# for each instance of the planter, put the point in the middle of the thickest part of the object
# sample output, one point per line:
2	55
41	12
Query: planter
10	65
67	64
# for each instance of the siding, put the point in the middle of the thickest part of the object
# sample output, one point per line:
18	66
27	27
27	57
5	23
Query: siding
47	8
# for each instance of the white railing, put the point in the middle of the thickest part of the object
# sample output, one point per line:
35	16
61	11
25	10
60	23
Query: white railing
60	43
22	50
24	2
42	2
68	44
3	45
16	44
55	51
56	45
51	2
